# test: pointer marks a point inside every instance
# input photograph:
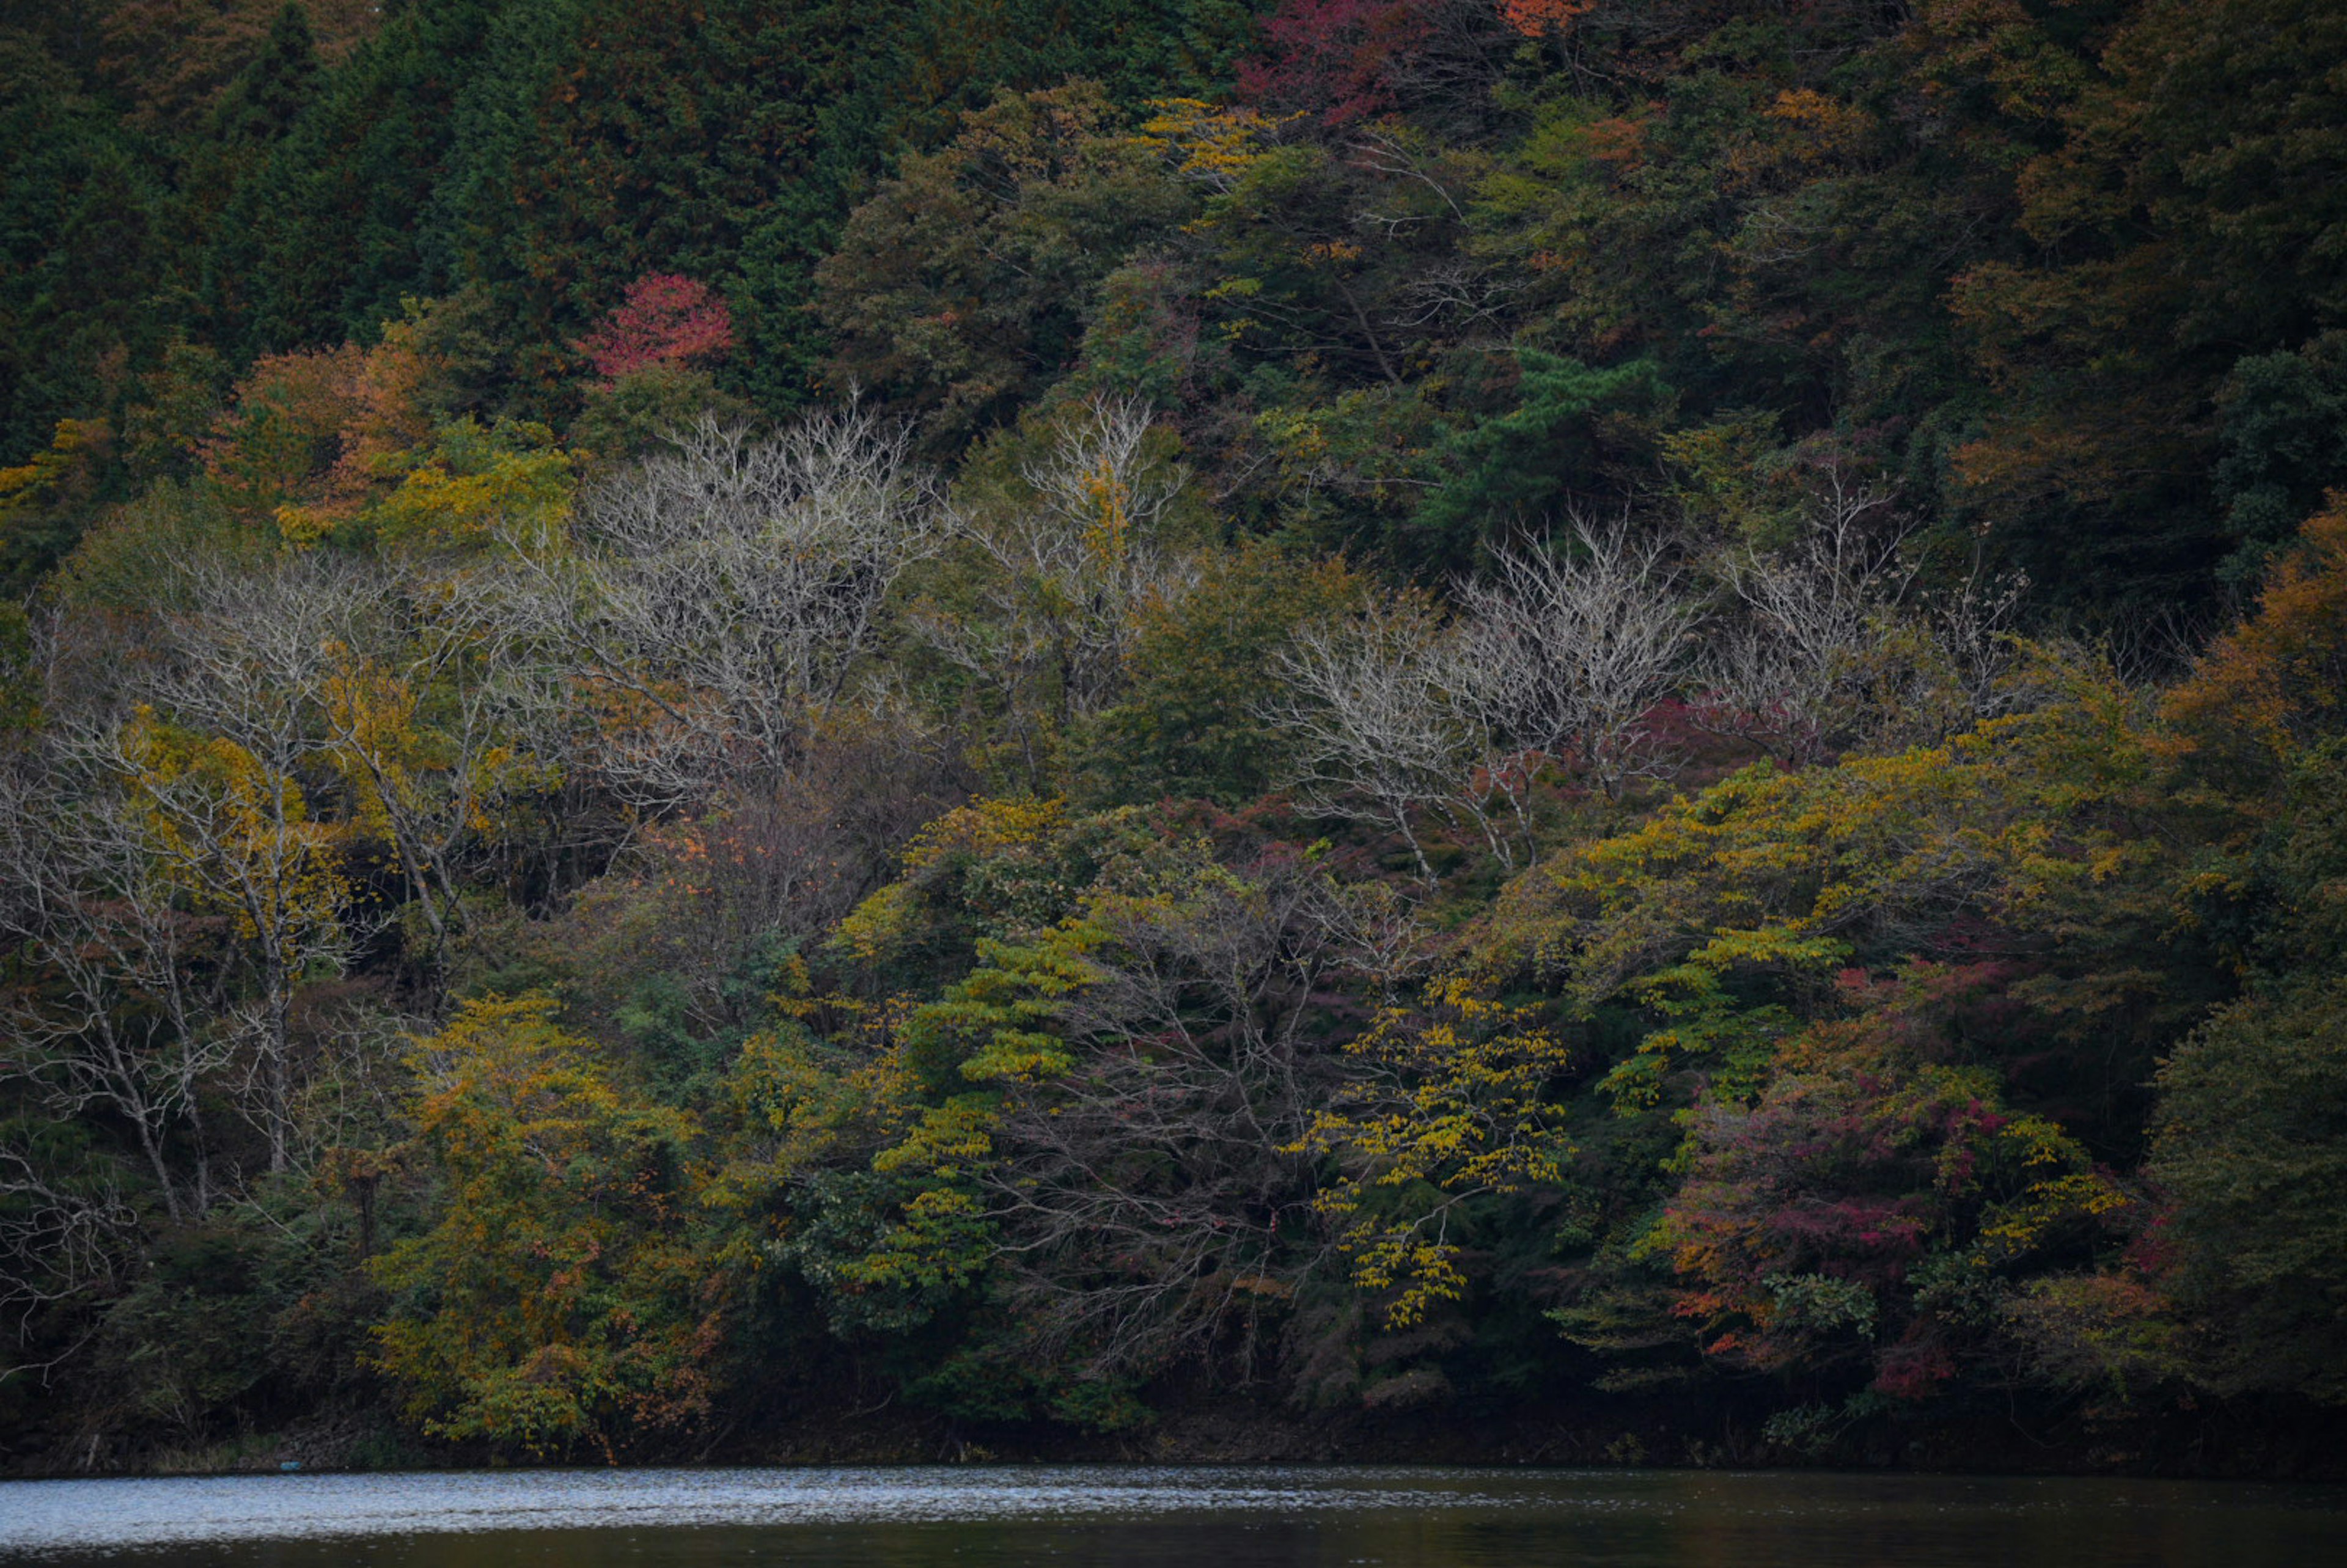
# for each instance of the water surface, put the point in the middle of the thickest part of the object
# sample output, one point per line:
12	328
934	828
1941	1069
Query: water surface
1222	1517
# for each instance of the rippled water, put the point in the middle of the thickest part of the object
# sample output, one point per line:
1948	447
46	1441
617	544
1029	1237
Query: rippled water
1221	1516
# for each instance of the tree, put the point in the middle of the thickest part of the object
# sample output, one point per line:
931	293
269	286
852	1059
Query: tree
556	1302
265	99
1350	61
961	288
2252	1118
1447	1101
1507	469
1126	1151
1720	919
1370	722
1573	655
2283	415
44	502
1836	648
2274	684
722	595
219	764
2184	222
1188	723
431	716
63	1234
321	242
2246	1130
1067	560
666	319
195	64
1860	1221
119	1013
312	437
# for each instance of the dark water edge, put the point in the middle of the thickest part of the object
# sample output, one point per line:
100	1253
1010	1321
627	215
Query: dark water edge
2268	1440
1226	1517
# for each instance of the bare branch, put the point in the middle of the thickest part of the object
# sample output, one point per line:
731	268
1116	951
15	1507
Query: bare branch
1569	652
1068	575
722	595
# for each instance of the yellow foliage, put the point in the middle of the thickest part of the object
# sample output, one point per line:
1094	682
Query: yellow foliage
1451	1105
73	440
1215	143
983	828
1779	872
2269	686
565	1304
236	834
527	492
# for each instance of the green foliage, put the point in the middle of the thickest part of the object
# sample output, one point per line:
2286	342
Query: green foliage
1187	725
45	503
963	286
2282	418
636	414
1512	472
556	1303
240	1315
977	1025
998	1385
1724	915
473	486
2253	1126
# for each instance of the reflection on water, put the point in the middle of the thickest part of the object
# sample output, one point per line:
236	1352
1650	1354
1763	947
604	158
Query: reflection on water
1222	1517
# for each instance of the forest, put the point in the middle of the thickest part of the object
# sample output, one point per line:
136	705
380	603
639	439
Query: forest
1608	730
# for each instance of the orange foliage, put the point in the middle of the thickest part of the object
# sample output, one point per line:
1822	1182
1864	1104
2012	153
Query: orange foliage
1617	141
284	429
312	434
1537	18
2280	677
1824	127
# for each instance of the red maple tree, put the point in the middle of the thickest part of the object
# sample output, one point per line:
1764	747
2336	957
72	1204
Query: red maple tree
666	319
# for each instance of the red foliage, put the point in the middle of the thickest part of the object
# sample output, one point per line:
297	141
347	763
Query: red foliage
1335	58
666	319
1807	1213
1916	1366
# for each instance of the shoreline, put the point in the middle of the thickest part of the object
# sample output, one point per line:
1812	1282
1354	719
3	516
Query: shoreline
2306	1446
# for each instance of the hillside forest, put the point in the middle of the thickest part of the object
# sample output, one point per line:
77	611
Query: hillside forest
1605	730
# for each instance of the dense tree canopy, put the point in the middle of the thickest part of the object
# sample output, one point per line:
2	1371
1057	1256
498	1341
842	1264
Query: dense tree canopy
1613	716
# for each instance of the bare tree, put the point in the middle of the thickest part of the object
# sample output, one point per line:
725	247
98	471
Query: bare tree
723	593
1836	645
1570	653
1787	676
1150	1198
124	1018
58	1240
1396	714
1972	630
218	761
1373	726
431	709
173	879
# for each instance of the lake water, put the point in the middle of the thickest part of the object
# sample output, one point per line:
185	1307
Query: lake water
1221	1516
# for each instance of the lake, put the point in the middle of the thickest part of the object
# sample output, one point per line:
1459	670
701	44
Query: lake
1224	1517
